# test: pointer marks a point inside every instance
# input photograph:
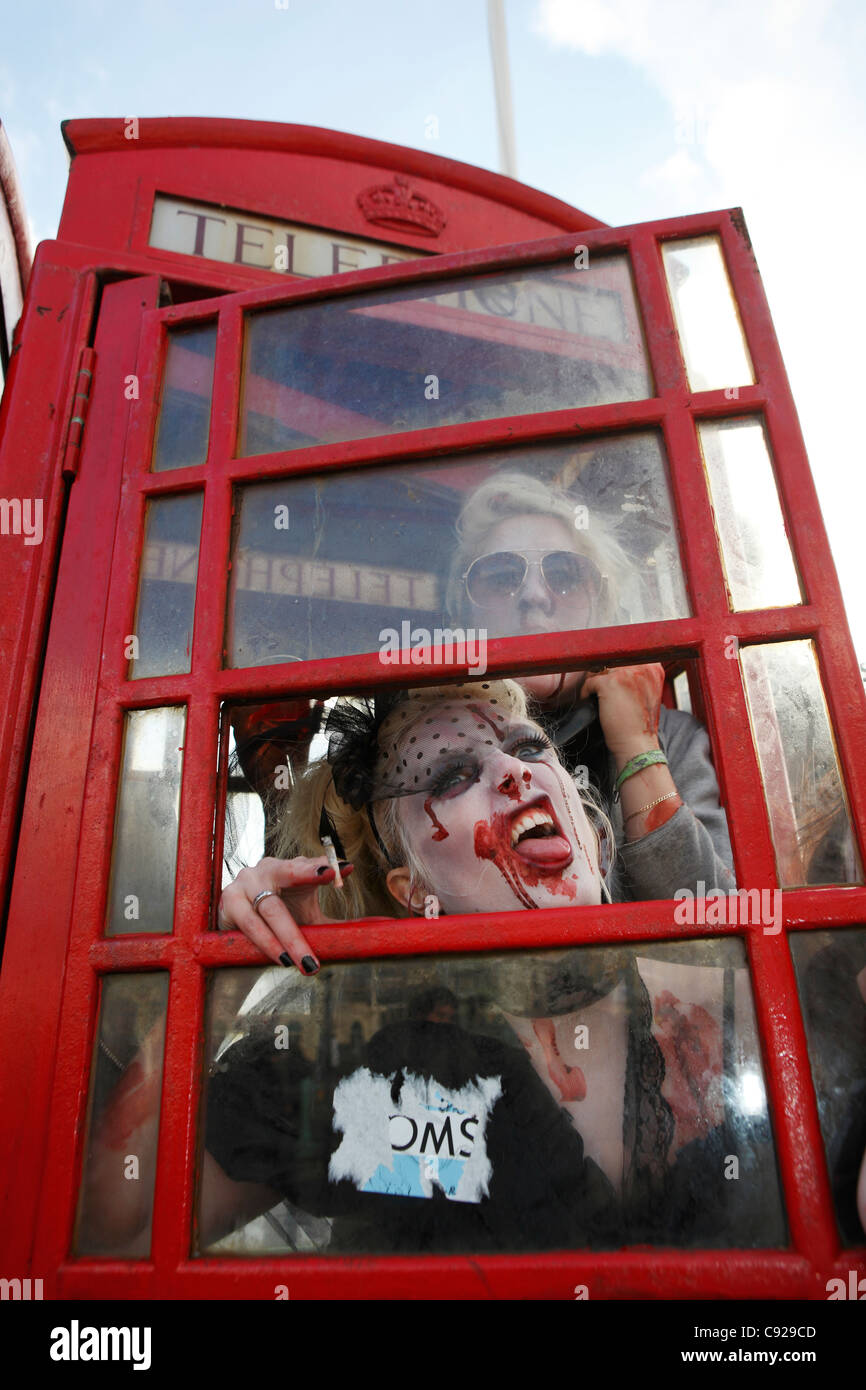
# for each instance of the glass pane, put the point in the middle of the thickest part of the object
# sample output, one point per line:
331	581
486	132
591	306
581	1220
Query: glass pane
803	789
162	644
145	835
588	1097
831	978
510	748
565	536
495	750
755	550
477	348
116	1199
682	692
711	336
184	417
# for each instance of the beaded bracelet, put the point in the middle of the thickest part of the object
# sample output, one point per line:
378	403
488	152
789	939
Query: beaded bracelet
637	764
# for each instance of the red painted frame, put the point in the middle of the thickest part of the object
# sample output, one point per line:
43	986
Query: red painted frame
814	1255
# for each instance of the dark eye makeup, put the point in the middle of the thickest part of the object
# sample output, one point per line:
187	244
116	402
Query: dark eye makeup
465	769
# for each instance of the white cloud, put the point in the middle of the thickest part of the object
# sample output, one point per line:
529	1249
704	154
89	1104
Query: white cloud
766	114
676	174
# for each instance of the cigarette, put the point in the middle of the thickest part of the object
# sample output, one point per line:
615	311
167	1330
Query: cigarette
328	845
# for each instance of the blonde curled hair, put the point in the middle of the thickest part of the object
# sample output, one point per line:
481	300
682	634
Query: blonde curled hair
365	893
512	494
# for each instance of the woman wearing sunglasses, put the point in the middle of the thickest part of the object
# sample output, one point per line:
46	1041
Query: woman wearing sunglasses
521	567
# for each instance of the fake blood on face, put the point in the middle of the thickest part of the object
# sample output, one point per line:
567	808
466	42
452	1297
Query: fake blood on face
577	840
493	842
439	832
478	710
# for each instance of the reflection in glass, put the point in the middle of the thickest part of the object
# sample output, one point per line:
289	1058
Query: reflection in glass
477	348
803	788
586	1097
711	336
144	857
116	1200
184	417
269	747
755	550
831	978
325	566
682	692
166	596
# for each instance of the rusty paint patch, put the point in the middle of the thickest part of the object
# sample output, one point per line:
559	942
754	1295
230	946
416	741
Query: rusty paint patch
739	222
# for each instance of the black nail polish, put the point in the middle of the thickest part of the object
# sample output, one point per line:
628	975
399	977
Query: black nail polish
343	863
323	868
285	959
310	965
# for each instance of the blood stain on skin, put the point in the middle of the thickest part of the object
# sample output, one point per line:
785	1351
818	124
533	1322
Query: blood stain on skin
509	788
577	840
133	1103
479	711
570	1081
691	1043
640	681
527	777
493	842
439	833
660	815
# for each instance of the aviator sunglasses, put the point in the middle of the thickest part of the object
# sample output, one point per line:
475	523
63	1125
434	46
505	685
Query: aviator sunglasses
502	574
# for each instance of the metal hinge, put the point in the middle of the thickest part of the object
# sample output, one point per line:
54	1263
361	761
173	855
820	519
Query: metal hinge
80	404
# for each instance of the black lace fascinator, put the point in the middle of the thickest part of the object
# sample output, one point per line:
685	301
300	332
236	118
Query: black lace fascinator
408	760
352	728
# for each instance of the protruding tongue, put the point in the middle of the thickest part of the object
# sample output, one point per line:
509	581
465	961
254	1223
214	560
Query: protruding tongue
543	849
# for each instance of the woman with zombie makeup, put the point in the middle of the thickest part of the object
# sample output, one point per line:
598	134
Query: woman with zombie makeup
454	792
521	567
450	791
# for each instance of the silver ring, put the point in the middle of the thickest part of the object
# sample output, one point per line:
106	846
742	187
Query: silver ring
268	893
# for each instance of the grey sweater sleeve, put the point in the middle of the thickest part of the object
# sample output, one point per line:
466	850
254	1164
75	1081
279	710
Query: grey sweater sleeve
693	846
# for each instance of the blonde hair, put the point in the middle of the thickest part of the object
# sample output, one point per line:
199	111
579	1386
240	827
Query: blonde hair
365	893
511	494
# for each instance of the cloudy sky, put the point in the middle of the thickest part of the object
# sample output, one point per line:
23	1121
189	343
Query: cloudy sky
629	109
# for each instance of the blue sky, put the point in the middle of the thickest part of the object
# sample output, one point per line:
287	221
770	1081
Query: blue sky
630	109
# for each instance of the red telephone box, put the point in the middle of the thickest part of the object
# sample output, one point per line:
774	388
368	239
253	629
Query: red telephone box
257	377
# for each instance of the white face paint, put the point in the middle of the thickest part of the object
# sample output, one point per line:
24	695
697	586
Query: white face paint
500	824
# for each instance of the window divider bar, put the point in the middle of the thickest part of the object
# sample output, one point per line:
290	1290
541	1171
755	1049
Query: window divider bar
174	1193
447	440
736	761
194	872
729	1274
788	1072
802	909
